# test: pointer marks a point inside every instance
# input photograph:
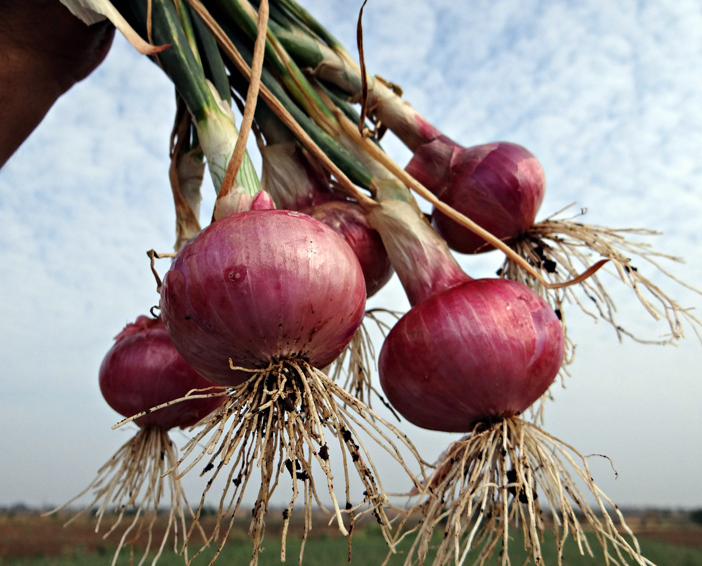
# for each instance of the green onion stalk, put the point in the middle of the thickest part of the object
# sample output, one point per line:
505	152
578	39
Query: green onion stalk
368	173
312	46
190	55
361	160
238	19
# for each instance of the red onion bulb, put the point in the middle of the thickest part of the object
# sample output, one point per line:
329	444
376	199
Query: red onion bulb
143	369
480	350
262	286
348	220
500	186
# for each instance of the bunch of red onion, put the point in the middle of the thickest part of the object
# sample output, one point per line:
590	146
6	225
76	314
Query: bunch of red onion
262	300
143	370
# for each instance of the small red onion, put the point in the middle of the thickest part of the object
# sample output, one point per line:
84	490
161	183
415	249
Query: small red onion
500	186
348	220
262	286
143	369
478	351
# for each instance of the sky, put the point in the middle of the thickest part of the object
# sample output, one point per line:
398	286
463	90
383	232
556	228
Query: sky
605	93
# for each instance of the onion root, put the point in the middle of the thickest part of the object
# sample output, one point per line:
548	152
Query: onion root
508	473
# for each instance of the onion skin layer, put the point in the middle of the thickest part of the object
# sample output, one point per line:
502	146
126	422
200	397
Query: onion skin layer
262	286
143	369
500	186
479	351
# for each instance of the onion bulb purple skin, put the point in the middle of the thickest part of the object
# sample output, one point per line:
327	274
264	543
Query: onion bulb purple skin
348	220
143	369
262	286
500	186
479	351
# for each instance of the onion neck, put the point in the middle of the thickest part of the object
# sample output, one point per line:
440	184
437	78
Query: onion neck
431	164
392	111
420	257
237	200
399	115
294	178
218	133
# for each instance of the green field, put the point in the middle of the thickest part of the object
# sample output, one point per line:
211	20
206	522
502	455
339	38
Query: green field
368	548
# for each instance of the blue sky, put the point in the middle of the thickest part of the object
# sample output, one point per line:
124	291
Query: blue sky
605	93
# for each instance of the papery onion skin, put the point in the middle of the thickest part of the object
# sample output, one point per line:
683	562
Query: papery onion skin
294	179
500	186
348	220
479	351
143	369
262	286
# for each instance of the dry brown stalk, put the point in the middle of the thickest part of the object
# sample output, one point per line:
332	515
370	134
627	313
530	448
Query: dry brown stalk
185	174
560	247
277	421
133	480
506	474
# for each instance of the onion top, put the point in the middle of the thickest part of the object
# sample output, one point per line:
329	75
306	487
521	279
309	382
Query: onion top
347	219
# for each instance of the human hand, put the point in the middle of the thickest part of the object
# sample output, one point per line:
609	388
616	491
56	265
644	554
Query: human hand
44	50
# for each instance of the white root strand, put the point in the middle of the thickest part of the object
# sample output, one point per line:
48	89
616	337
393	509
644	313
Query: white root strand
495	478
